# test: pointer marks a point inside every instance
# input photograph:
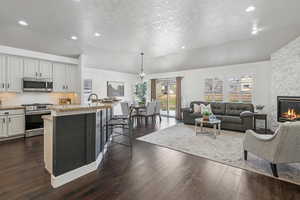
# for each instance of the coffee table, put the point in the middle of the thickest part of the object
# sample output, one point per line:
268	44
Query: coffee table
216	124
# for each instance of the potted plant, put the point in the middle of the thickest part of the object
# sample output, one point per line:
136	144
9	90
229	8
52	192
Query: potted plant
140	92
206	115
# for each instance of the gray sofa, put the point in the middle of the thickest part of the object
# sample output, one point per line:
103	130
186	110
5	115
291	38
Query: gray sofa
228	113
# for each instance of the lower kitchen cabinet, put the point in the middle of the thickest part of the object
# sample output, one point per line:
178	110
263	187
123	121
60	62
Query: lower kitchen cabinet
16	125
3	127
12	124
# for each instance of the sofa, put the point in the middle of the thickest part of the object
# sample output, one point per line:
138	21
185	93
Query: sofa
230	114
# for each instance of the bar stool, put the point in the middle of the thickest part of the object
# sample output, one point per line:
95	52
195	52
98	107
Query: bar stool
124	124
125	112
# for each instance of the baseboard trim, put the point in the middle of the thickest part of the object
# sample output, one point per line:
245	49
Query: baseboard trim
57	181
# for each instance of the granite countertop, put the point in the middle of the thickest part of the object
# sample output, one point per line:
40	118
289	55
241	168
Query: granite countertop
11	107
81	107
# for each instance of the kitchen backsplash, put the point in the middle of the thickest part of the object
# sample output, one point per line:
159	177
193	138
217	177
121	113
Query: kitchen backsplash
32	97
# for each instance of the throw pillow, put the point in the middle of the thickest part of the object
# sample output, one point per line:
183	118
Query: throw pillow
205	108
197	108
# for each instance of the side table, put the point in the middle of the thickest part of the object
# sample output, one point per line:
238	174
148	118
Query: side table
260	116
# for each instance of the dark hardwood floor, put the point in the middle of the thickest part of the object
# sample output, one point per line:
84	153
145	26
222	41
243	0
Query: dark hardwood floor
150	172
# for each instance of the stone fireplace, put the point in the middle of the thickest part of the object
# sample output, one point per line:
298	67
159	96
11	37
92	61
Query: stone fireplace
288	108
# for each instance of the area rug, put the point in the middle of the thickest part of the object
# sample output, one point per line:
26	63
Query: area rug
226	148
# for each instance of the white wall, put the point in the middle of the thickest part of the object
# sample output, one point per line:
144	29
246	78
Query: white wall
193	80
100	78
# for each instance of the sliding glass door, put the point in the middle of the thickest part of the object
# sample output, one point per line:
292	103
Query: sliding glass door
166	94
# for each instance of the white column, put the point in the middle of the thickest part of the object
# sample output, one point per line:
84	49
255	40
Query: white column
81	65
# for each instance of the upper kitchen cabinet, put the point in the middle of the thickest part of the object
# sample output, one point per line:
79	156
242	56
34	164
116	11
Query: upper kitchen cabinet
71	78
45	70
64	78
14	71
37	69
59	77
31	68
2	73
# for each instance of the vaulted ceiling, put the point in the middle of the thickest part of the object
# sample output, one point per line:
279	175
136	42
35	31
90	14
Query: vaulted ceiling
174	34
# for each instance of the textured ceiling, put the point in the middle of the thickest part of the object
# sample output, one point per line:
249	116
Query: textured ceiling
214	32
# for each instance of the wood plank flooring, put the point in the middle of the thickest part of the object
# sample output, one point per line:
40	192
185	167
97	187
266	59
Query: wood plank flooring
149	173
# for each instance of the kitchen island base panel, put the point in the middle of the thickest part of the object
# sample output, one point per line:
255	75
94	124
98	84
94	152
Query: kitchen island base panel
75	143
57	181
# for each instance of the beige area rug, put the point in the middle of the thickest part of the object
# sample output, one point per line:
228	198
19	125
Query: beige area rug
226	148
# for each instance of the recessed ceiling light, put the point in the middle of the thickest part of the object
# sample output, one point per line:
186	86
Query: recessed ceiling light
183	47
76	0
74	38
23	23
97	34
250	9
254	32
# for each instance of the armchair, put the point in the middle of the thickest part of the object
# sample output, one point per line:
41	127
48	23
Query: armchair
282	147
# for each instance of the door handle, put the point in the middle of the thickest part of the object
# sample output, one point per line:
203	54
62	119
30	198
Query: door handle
9	120
7	85
40	74
36	74
3	120
3	85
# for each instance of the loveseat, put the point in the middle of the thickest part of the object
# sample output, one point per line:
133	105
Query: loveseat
228	113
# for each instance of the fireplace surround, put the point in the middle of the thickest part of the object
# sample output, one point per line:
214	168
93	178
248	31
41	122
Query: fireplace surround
288	108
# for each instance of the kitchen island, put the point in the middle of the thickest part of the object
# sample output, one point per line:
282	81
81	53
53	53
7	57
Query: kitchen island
75	140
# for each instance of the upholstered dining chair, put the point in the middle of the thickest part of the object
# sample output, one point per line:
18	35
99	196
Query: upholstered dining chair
149	112
157	109
282	147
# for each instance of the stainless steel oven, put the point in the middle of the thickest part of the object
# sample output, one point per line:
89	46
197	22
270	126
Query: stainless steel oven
34	124
37	85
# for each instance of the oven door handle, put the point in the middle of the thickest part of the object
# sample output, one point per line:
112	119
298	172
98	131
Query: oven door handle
39	113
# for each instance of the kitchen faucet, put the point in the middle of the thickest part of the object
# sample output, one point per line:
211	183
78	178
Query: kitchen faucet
92	95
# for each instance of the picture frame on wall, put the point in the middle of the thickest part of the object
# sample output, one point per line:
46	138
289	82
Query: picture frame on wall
115	89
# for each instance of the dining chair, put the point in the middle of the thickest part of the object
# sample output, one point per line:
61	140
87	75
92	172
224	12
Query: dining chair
157	109
149	112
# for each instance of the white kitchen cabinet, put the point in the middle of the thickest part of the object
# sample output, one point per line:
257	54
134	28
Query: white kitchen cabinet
64	78
12	123
3	127
31	68
2	73
14	72
71	78
45	70
59	77
16	125
38	69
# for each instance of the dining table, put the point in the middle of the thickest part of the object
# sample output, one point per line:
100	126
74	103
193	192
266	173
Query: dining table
137	108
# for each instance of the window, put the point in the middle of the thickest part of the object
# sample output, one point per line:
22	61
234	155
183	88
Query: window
240	89
213	89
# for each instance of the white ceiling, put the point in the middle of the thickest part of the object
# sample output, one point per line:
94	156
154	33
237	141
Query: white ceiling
214	32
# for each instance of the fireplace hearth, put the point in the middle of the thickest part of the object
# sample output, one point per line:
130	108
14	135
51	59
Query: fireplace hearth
288	108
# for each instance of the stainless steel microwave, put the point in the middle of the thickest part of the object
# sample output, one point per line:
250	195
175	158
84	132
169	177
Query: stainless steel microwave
37	85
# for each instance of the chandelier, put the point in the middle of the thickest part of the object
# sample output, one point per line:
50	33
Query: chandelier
142	74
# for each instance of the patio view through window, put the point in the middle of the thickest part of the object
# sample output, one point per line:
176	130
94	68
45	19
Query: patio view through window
166	94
